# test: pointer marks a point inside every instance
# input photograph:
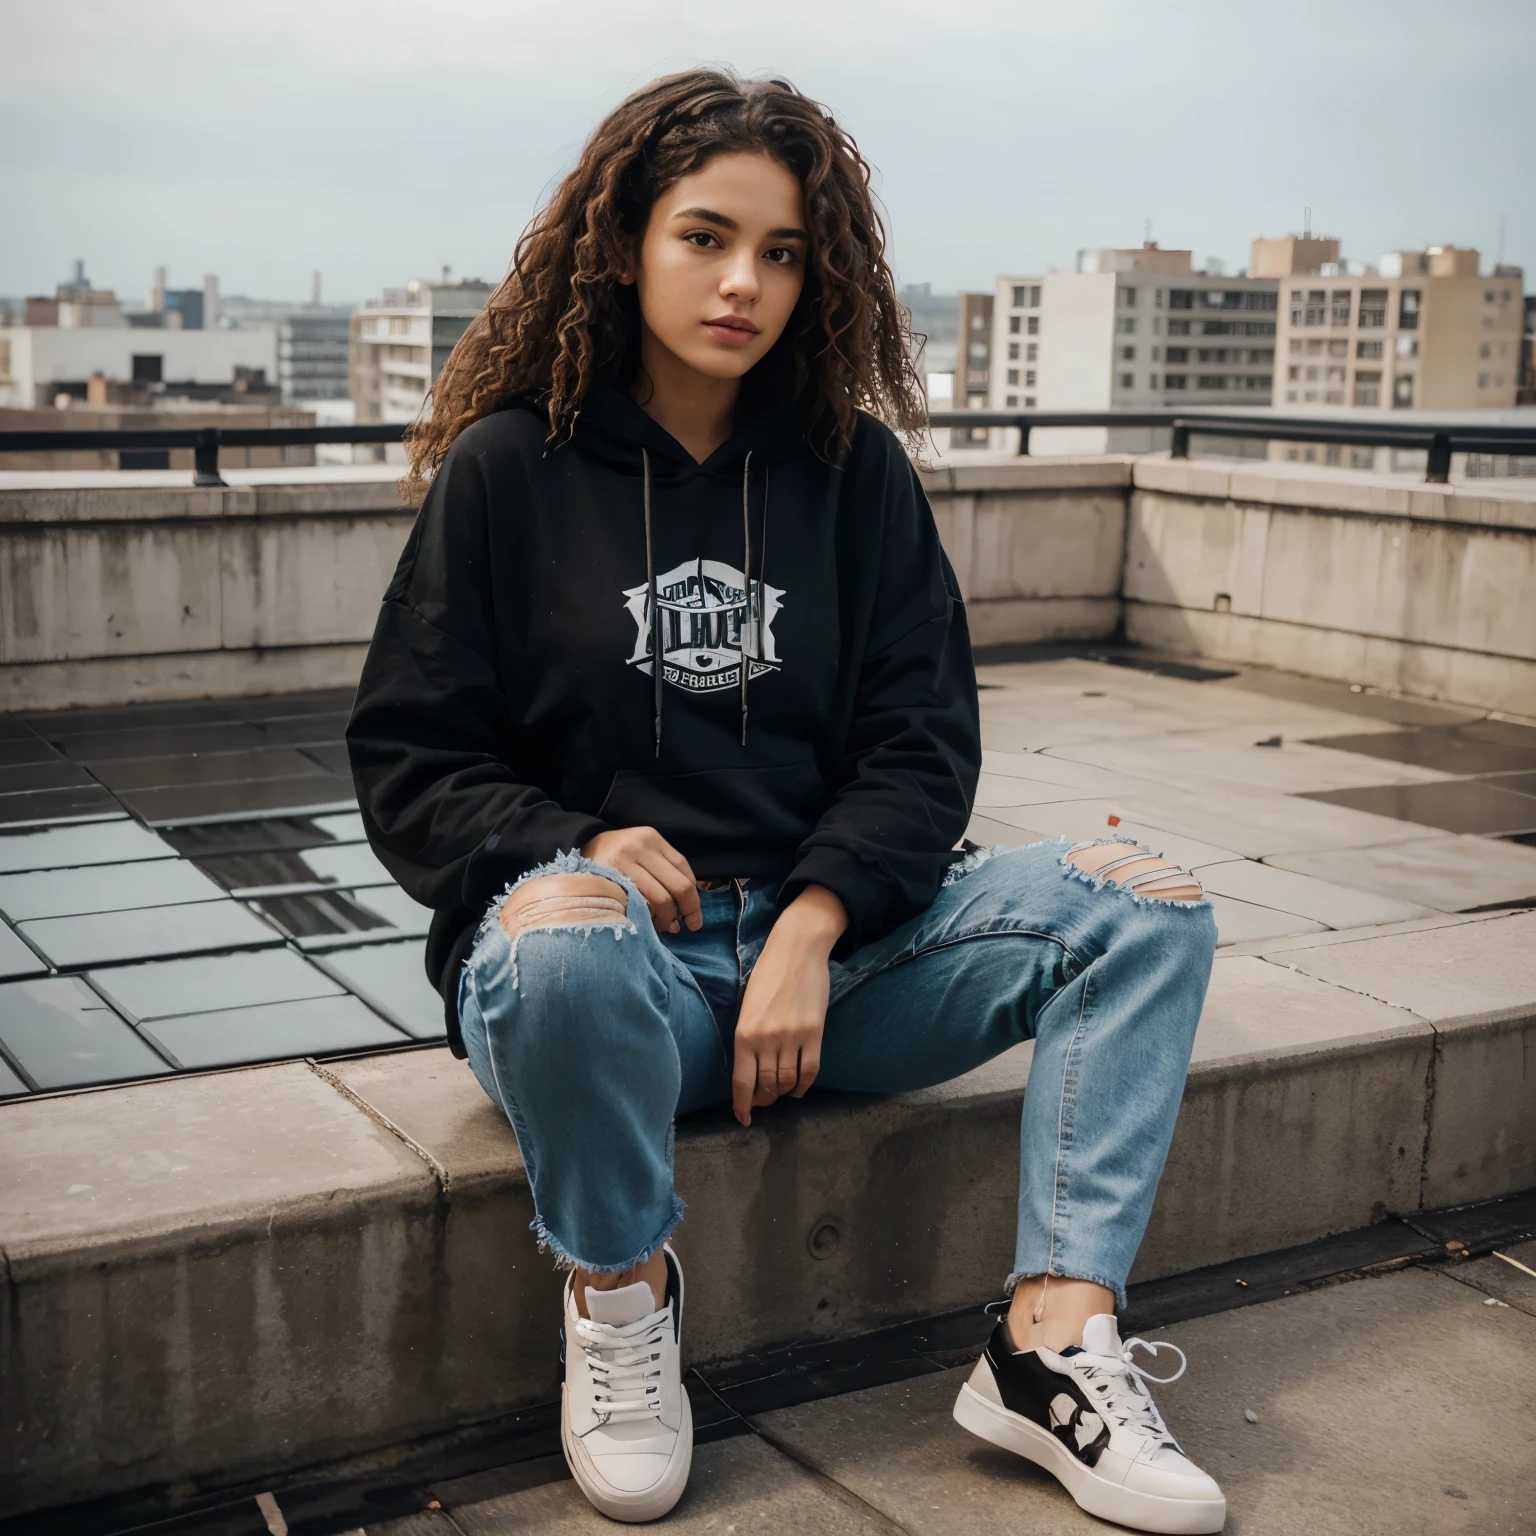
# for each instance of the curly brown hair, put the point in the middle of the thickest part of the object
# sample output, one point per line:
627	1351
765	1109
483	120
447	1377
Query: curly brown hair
562	319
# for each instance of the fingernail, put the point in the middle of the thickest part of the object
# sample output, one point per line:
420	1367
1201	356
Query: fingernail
673	929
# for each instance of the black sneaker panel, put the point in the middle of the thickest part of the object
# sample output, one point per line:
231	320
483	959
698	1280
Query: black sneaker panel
675	1295
1054	1401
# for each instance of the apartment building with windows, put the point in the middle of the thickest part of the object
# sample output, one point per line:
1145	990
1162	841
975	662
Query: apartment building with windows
398	344
973	366
1134	329
1422	331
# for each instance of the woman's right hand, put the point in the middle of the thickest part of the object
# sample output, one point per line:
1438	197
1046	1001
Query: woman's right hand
659	871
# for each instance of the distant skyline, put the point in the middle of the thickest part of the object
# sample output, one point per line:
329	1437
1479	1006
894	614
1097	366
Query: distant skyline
377	142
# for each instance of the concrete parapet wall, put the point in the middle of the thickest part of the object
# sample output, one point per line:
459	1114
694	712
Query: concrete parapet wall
141	587
1373	579
254	1271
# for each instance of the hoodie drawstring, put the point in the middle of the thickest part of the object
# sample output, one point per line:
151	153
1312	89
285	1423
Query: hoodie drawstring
746	582
652	610
749	627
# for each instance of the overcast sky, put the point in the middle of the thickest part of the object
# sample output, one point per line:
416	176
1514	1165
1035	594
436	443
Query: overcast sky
377	140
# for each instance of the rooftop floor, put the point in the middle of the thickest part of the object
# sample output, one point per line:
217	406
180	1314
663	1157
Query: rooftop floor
186	886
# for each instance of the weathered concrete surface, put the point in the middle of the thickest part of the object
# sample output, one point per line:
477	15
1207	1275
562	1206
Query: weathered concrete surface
741	1485
1476	984
1371	578
233	1271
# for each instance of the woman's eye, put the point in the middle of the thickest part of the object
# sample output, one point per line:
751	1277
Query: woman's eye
700	237
782	255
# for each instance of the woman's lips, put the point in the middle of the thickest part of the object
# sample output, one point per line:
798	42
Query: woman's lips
734	333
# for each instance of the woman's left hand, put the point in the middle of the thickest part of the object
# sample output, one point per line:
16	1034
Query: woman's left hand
778	1032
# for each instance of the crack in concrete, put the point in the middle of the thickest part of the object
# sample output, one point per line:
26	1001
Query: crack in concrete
440	1173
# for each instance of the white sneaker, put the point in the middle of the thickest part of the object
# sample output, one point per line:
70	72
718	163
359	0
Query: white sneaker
1085	1415
625	1423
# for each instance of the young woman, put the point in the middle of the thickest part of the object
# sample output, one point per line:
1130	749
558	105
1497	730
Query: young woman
670	715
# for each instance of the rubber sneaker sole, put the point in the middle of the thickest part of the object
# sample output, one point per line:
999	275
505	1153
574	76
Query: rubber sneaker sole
617	1503
1097	1495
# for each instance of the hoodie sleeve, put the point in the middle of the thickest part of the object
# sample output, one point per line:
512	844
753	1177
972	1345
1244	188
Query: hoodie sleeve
913	751
433	738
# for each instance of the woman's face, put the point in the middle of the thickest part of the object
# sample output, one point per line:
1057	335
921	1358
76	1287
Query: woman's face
722	262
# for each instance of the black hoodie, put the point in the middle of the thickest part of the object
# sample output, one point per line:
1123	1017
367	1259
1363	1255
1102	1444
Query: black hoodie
509	709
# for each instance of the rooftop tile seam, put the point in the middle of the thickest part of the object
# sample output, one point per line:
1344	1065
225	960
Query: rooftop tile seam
1338	629
439	1172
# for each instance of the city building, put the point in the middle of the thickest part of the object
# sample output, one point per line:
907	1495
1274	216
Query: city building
1135	329
40	363
180	309
398	343
935	329
1423	330
973	365
312	352
75	306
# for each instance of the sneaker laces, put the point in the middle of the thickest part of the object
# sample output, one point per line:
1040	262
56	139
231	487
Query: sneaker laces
625	1362
1123	1391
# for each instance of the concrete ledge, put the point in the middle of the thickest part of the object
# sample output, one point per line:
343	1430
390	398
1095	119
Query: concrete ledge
112	680
355	1239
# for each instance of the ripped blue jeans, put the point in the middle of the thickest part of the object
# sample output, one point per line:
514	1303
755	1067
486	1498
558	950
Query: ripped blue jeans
593	1039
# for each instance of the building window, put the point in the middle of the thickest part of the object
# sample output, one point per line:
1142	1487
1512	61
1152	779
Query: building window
1181	298
1026	297
1152	382
1211	381
1029	377
1293	373
1335	374
1159	298
1157	353
1407	346
399	325
1338	349
1373	308
1296	345
147	367
1031	351
1368	348
1126	298
1127	327
1013	325
1178	327
1485	350
1127	354
1175	381
1402	390
1013	351
1261	354
1013	375
1029	402
1333	397
1309	307
1408	310
1339	309
1012	400
1482	381
1127	381
1178	354
1032	326
1018	296
1312	375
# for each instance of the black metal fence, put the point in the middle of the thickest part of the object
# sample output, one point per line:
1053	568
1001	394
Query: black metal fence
1437	439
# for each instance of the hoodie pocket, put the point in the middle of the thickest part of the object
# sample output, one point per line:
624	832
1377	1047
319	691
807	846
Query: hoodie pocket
765	811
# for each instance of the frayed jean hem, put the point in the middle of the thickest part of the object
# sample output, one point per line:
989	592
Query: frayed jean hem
564	1259
1117	1287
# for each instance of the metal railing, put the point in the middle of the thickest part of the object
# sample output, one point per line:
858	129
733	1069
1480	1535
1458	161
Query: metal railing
205	442
1437	439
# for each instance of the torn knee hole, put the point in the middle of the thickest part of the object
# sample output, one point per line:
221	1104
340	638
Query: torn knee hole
558	901
1143	873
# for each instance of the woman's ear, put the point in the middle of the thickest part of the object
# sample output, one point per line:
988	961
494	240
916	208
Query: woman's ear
631	267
